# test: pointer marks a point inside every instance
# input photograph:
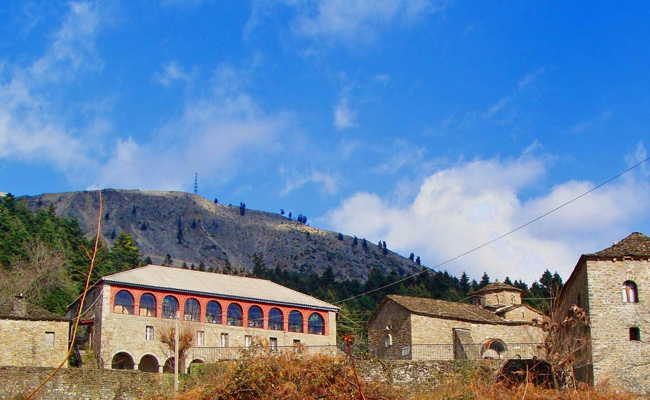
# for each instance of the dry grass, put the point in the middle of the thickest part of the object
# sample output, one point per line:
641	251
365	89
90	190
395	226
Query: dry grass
264	375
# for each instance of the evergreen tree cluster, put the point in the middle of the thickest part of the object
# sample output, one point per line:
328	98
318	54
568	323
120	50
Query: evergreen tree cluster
45	257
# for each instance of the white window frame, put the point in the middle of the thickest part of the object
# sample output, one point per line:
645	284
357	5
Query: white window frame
149	332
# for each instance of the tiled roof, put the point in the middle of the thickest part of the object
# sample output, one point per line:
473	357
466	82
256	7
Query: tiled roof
218	285
447	309
635	245
33	313
495	287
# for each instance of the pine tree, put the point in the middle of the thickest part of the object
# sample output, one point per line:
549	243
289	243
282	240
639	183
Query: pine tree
464	282
340	236
355	241
124	254
179	231
417	260
412	257
485	280
168	262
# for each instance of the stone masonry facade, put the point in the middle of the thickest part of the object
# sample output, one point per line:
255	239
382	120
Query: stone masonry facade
116	335
613	287
427	329
33	343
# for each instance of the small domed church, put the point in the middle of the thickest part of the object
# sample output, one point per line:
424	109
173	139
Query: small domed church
496	325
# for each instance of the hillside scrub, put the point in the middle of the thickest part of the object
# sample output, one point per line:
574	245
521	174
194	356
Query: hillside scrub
264	375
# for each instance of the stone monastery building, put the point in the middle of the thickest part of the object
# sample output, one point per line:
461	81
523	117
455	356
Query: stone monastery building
124	313
31	336
613	287
495	325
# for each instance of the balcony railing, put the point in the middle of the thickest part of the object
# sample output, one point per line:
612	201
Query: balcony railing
214	354
458	352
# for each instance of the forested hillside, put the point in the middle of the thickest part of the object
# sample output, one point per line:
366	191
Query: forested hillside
45	257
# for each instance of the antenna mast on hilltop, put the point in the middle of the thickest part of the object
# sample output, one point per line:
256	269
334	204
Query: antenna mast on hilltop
196	183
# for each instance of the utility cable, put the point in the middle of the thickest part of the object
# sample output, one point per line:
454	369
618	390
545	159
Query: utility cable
498	237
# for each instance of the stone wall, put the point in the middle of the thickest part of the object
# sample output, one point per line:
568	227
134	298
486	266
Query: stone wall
428	330
397	318
82	384
33	343
419	375
102	384
123	333
615	357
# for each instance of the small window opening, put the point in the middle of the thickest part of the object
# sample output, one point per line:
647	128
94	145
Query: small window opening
635	334
388	340
273	344
224	340
49	339
148	333
200	338
630	293
247	341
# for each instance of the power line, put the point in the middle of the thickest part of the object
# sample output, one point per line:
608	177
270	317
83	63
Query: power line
498	237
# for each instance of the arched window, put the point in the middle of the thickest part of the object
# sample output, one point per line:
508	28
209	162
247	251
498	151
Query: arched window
316	324
235	315
147	305
630	294
295	321
123	303
493	349
213	312
192	310
170	307
255	317
275	319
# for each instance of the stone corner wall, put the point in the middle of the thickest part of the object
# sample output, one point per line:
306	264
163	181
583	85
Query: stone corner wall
24	342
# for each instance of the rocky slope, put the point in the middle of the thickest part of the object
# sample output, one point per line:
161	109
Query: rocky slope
193	229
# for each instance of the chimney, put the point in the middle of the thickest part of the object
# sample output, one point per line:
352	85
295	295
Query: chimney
19	308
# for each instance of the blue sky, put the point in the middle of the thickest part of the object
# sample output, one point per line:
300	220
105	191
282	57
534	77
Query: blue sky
433	125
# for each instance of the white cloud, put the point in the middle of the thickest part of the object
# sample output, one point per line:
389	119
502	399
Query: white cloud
171	72
31	126
462	207
73	45
344	116
522	86
358	20
215	135
328	183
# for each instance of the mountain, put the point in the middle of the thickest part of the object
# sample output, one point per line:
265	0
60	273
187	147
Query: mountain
195	230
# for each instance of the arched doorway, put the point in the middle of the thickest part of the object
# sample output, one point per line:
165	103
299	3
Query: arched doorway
494	348
194	363
148	363
169	365
122	361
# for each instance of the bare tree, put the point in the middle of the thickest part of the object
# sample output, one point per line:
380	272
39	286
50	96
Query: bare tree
567	344
40	272
165	332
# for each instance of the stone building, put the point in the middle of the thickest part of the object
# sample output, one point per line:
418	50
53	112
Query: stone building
125	312
31	336
613	287
496	325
